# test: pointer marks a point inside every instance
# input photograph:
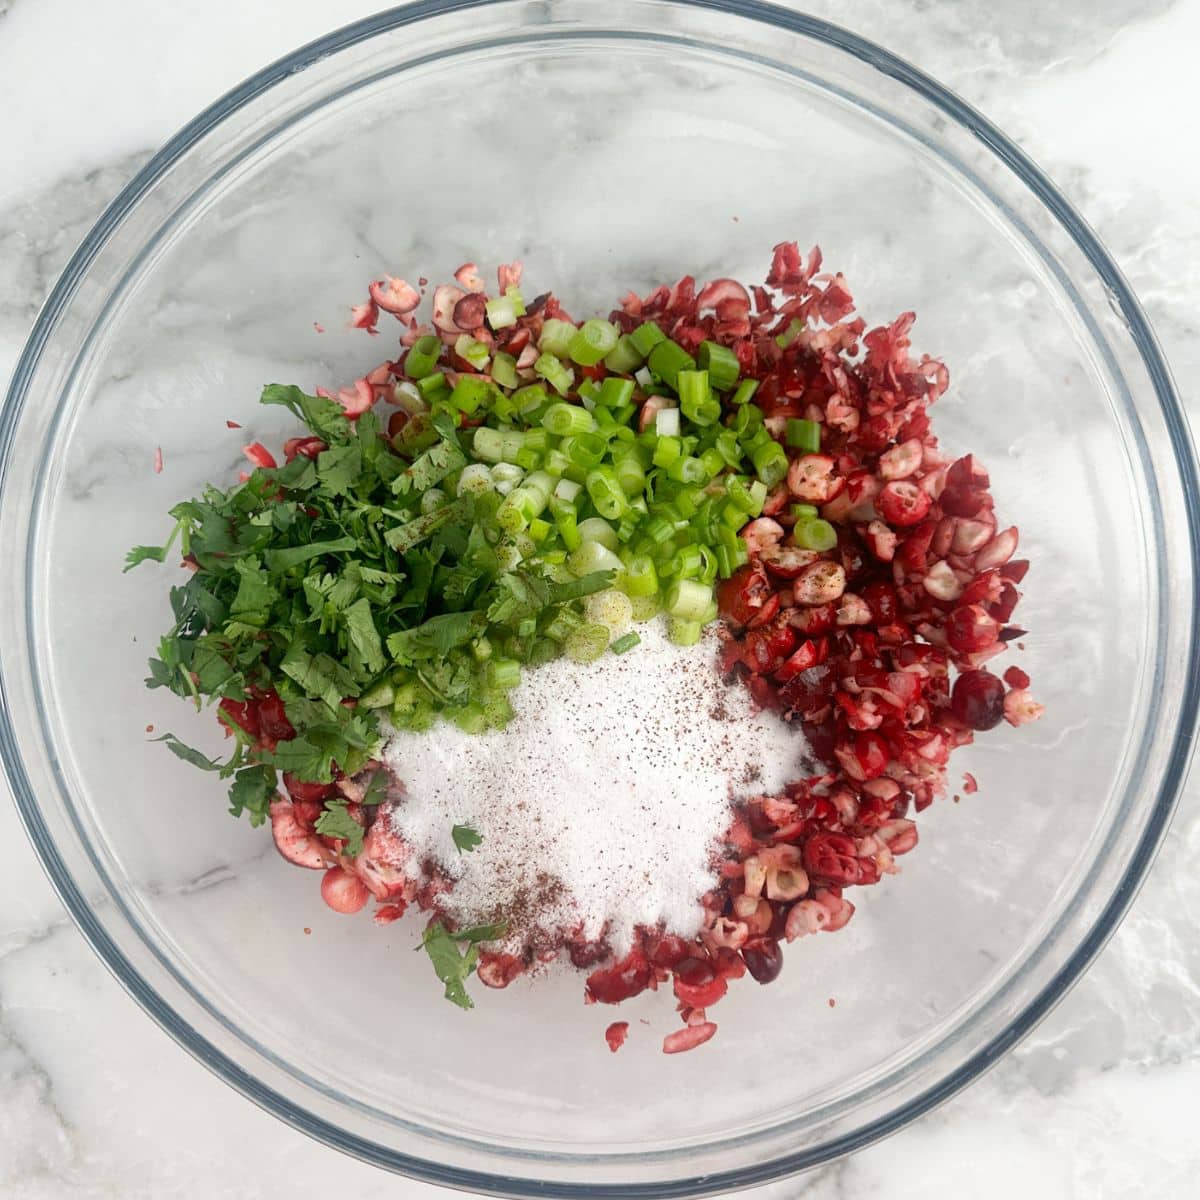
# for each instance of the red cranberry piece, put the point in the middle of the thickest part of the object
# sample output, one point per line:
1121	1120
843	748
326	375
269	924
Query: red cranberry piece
742	595
764	960
616	983
903	503
883	600
978	699
969	628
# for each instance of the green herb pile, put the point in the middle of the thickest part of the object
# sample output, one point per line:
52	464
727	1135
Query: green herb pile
415	576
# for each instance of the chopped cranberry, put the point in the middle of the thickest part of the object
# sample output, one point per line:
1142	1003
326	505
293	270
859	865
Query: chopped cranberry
741	595
832	857
969	628
763	959
1016	678
616	1034
978	700
243	713
611	985
688	1038
902	503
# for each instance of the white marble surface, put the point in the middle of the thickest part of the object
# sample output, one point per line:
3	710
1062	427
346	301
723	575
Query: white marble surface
96	1102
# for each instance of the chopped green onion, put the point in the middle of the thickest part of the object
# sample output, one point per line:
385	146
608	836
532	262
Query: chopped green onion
558	376
803	434
564	513
615	393
668	449
804	512
789	335
592	341
687	599
432	385
382	695
610	608
470	392
529	398
563	420
714	464
587	643
556	337
476	353
592	556
695	399
475	479
815	534
667	422
567	489
470	718
503	311
721	364
488	444
667	359
506	476
646	336
683	632
504	673
423	356
597	529
504	369
585	450
625	357
630	475
744	391
627	642
640	579
606	492
645	607
770	462
688	469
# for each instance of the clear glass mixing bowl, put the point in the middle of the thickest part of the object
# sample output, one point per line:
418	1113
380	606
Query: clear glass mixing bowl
609	145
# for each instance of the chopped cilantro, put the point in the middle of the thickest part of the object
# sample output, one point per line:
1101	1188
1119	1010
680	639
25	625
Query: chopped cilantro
336	822
452	965
465	838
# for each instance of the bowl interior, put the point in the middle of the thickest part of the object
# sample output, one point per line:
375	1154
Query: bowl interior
605	162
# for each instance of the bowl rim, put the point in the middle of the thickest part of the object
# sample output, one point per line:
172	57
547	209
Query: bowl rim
1123	301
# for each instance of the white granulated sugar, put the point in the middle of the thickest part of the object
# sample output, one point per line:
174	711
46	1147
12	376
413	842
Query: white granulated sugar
604	798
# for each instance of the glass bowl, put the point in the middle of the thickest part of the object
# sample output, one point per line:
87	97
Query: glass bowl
610	146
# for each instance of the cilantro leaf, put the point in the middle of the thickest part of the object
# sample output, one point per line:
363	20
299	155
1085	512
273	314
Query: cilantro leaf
252	790
436	637
279	561
336	822
255	593
429	469
320	675
188	754
522	594
481	933
339	468
367	649
324	417
141	554
450	965
465	838
377	789
301	757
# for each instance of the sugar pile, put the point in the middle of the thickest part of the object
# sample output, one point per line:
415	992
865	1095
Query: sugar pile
601	802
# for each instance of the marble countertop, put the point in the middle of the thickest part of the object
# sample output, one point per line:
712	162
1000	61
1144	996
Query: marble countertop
95	1101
